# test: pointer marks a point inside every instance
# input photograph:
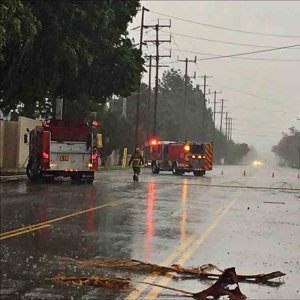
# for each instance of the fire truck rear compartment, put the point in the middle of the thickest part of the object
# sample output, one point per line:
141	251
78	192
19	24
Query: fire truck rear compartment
69	157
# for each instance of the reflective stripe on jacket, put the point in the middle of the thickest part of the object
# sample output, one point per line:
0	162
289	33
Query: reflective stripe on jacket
136	160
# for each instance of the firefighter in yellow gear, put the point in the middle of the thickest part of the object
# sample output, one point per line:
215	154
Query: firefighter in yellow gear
137	161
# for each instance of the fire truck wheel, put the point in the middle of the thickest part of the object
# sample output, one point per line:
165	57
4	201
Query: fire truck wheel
33	172
174	169
154	168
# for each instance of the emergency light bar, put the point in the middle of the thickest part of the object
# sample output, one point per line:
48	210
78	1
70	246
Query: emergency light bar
153	142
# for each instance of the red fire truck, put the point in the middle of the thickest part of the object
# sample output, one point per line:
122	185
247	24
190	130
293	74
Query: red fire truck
179	157
56	149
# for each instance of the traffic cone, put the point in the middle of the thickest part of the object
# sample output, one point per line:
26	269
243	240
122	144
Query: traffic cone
244	173
222	173
273	174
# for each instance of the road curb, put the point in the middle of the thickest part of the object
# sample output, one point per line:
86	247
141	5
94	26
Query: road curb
10	178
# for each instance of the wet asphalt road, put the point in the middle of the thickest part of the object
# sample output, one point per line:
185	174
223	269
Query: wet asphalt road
162	219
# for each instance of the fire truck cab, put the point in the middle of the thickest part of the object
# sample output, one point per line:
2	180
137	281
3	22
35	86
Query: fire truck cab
180	157
59	150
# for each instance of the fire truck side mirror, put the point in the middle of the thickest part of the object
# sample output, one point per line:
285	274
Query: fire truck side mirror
26	138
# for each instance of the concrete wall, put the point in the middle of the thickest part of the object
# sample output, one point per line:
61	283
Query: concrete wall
23	149
2	122
10	145
113	159
13	151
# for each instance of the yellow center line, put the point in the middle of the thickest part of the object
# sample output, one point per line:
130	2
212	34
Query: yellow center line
29	228
180	248
195	245
25	231
155	291
153	276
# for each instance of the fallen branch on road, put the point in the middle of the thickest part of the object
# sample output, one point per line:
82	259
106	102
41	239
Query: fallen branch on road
200	271
226	285
106	282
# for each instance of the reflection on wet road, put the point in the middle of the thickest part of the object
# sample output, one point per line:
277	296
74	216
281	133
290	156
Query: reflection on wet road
163	219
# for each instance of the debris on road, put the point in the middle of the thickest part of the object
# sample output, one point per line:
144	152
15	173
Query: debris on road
137	265
226	285
274	202
199	271
106	282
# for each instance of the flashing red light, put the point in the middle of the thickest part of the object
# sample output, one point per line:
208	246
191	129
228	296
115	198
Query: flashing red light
94	155
153	142
45	155
95	123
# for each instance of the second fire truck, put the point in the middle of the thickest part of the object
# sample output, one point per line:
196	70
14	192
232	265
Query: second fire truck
179	157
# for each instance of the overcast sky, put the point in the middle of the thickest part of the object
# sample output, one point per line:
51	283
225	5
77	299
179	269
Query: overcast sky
274	85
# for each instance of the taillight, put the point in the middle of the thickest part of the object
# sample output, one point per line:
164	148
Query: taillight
94	160
94	155
45	155
45	163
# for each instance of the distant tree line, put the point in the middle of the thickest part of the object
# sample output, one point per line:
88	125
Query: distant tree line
179	117
288	148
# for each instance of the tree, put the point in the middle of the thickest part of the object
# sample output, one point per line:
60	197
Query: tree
75	49
179	115
288	148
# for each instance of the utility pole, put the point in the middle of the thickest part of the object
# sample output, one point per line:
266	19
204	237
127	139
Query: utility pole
214	110
186	61
124	107
138	97
157	42
229	128
149	97
215	103
222	112
226	126
204	108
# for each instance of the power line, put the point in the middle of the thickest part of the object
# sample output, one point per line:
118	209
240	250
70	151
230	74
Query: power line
245	58
269	110
171	62
248	53
223	42
225	28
